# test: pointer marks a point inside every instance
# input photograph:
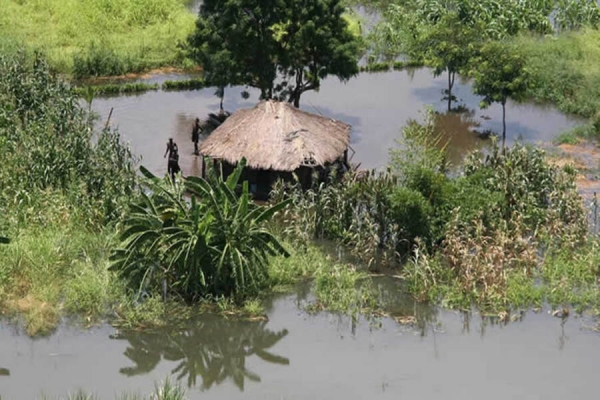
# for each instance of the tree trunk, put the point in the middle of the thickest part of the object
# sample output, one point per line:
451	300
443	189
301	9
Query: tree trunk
222	97
451	76
503	123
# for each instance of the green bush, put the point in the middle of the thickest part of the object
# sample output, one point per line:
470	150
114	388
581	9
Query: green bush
187	84
45	143
214	245
412	214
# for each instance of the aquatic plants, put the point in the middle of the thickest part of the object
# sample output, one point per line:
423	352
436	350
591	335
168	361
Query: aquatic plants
114	89
186	84
214	245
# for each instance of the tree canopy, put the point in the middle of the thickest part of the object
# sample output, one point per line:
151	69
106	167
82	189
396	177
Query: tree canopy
255	42
500	72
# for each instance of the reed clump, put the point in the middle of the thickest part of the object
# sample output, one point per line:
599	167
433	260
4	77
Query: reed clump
114	89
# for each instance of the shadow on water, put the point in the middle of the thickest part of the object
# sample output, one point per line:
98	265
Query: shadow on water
212	348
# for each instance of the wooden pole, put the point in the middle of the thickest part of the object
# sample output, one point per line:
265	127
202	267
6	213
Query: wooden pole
108	119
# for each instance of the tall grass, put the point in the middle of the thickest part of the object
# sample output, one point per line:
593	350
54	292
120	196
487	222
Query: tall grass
60	194
99	37
566	70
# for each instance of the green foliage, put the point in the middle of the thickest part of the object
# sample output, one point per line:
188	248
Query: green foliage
45	139
101	60
186	84
343	289
303	40
500	72
429	33
101	37
411	211
113	89
571	137
59	265
168	391
58	193
565	71
214	245
575	14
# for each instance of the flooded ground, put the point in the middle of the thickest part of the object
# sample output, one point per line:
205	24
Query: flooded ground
299	356
376	105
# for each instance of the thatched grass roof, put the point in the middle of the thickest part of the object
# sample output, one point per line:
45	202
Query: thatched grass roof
276	135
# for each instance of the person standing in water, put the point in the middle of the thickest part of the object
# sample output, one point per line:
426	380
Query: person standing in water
196	135
173	162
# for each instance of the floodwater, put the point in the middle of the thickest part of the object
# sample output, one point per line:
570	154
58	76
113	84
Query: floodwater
294	355
376	105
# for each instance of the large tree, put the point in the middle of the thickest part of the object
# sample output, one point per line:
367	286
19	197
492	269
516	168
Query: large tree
247	42
499	73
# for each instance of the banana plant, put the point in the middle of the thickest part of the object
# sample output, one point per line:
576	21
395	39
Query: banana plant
199	235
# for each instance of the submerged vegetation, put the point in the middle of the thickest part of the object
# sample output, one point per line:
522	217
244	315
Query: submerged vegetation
550	45
491	236
68	201
90	237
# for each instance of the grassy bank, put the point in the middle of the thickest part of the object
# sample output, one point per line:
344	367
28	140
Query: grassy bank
66	205
90	38
566	70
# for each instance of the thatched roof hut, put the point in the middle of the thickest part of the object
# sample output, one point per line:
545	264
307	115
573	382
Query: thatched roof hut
277	136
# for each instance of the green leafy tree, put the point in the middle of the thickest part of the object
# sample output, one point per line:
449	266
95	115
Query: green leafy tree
4	240
438	36
215	244
315	42
248	42
446	34
500	73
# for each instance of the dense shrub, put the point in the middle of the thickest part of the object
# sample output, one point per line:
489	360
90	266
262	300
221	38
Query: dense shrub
216	244
45	143
411	213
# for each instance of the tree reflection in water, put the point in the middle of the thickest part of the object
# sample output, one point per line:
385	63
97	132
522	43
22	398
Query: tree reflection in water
214	348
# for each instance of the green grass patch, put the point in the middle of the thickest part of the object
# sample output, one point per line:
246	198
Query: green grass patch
56	269
572	136
90	37
115	89
566	70
186	84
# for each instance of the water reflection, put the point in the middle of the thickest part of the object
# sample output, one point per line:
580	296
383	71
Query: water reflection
214	348
461	134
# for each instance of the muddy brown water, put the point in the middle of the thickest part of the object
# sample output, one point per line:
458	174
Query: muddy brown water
377	105
299	356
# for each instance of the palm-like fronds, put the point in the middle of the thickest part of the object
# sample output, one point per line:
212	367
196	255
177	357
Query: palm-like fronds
212	242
